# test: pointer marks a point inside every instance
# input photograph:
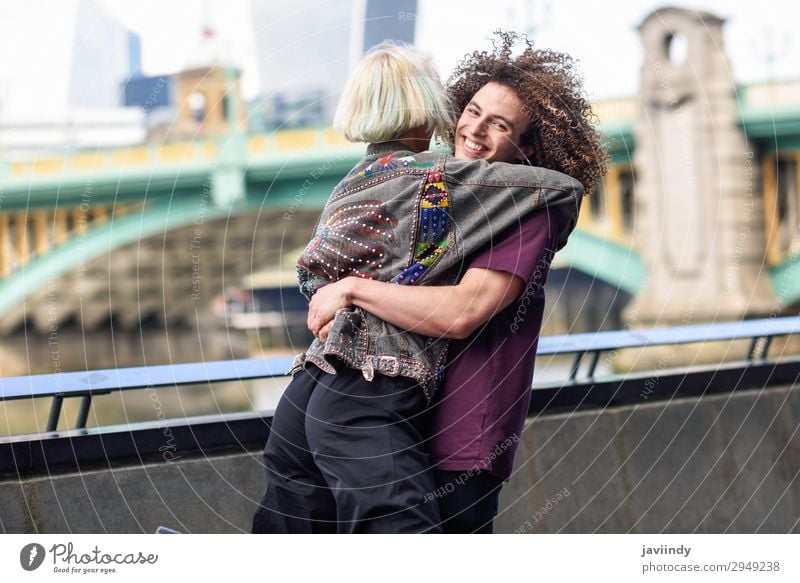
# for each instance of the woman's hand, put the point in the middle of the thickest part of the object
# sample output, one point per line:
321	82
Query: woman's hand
323	306
323	334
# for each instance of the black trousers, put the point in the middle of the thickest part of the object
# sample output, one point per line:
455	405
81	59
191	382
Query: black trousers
347	455
468	501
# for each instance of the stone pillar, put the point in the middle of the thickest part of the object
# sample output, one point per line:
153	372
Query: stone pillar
699	220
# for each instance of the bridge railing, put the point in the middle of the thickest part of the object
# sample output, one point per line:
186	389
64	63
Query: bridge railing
80	448
759	332
85	385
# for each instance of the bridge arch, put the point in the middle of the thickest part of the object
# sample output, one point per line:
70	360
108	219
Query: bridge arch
166	261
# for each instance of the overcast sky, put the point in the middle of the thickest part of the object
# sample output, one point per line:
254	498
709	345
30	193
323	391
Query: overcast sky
603	34
35	37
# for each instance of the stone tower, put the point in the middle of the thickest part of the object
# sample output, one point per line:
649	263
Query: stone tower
209	98
699	219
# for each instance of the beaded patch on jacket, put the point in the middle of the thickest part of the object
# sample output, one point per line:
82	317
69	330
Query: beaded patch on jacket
432	239
354	240
388	163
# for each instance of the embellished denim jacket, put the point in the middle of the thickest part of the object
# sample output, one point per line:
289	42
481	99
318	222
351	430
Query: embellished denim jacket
413	219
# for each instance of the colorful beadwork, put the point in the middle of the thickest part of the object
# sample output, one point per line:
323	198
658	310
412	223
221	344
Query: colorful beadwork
434	215
352	241
432	237
383	164
426	254
388	163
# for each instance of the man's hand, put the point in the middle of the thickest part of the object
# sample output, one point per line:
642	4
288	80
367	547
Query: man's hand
324	304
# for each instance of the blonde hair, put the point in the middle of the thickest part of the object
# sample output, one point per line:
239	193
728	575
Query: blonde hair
393	89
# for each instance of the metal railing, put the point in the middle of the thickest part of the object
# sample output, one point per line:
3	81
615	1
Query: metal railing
166	440
86	385
759	332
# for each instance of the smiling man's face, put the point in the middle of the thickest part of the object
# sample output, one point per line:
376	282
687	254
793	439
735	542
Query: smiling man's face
491	126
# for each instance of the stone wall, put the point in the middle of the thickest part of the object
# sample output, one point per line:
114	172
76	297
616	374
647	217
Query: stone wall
724	463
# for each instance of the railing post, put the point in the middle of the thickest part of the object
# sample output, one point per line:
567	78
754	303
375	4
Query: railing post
83	412
593	363
752	350
55	412
573	374
766	347
758	348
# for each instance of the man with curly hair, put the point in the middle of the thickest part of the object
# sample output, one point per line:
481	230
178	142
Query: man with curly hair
527	109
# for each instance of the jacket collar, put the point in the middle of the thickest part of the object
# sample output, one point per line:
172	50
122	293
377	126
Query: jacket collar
383	148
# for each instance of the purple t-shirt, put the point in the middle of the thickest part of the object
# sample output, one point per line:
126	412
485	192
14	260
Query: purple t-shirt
483	402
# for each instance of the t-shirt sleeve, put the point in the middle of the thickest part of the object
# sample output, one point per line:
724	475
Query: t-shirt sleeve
525	249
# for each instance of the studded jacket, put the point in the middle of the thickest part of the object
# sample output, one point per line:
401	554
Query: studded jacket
413	219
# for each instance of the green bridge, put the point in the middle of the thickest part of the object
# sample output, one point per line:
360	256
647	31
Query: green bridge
158	230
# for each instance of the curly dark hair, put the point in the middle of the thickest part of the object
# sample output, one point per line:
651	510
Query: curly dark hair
562	130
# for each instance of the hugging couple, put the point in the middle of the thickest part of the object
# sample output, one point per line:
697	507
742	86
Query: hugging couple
404	414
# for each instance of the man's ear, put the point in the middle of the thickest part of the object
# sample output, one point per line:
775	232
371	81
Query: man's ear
525	153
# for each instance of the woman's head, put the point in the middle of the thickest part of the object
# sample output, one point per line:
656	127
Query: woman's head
394	91
561	135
